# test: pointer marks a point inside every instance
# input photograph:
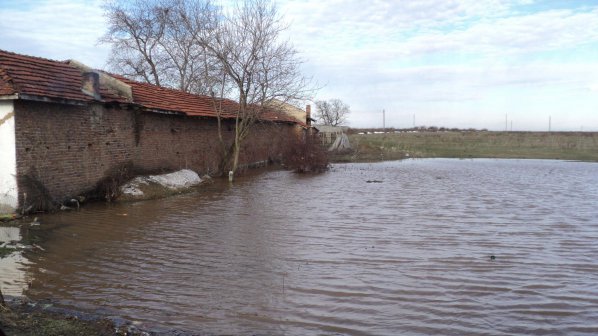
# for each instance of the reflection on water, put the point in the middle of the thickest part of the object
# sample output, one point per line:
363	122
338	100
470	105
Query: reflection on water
332	254
12	266
9	235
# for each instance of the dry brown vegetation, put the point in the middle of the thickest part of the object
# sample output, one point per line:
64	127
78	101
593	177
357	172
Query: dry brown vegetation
306	156
582	146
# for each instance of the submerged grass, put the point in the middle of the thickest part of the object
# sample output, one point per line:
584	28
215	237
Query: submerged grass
581	146
5	251
23	321
22	318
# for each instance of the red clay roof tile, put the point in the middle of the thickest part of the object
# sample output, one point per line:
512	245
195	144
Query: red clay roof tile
6	87
27	75
159	98
46	78
42	77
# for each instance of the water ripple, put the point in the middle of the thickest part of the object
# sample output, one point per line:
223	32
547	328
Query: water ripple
280	253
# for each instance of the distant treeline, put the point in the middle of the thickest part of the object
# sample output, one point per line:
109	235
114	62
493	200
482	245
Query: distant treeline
413	129
446	129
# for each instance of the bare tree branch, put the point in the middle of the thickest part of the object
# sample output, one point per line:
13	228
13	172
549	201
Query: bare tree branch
332	112
150	44
234	53
260	68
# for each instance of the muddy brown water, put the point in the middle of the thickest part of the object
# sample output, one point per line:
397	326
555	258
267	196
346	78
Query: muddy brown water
365	249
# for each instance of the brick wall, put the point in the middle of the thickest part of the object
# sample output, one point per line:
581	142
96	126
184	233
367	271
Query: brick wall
70	148
172	142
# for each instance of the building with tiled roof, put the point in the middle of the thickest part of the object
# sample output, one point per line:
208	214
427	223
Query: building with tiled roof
64	127
34	78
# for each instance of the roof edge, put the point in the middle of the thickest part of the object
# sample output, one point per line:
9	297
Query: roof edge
51	99
14	96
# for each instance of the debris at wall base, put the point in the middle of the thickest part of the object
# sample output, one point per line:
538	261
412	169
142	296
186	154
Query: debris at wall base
157	186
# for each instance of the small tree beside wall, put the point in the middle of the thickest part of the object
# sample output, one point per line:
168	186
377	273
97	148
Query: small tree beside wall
232	53
307	155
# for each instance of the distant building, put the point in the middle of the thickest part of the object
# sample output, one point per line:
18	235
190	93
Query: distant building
334	137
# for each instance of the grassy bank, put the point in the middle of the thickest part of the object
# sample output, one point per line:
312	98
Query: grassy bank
20	317
582	146
19	321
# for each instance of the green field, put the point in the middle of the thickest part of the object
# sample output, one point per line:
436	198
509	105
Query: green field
582	146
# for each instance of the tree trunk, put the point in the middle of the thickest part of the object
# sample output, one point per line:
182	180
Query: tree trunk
225	161
236	152
2	303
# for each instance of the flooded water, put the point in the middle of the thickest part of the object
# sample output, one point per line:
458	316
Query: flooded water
365	249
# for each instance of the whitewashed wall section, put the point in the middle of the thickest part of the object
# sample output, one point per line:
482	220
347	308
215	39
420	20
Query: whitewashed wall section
8	159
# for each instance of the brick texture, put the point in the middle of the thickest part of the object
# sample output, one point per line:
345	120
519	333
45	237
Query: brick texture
70	148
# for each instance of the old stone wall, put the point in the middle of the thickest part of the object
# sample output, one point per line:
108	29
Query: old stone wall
68	149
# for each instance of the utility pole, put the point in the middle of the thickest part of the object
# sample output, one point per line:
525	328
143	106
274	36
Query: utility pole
383	121
549	123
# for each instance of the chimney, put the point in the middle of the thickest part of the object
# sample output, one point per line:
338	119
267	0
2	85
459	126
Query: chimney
91	84
308	115
105	80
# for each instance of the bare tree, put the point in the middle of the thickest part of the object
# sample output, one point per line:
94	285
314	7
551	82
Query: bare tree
195	70
232	53
258	70
332	112
150	45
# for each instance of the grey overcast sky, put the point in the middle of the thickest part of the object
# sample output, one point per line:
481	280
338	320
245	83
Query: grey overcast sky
453	63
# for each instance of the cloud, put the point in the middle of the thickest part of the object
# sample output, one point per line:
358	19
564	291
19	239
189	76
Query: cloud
416	28
457	56
383	16
439	59
551	30
56	29
472	96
